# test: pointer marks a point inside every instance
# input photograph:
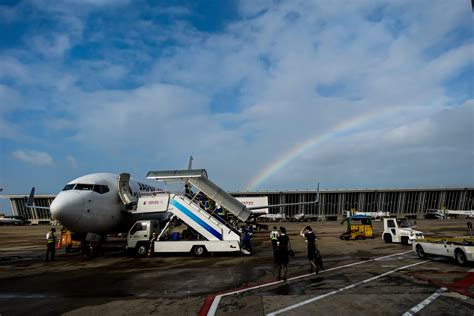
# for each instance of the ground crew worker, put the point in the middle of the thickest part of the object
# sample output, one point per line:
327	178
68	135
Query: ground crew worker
188	192
51	244
221	213
274	234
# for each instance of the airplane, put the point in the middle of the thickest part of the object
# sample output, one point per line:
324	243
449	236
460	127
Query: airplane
10	221
93	204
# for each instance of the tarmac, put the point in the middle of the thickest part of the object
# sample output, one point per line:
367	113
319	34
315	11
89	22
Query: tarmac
362	277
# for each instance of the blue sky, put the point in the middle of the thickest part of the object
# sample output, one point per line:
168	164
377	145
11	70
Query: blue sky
133	86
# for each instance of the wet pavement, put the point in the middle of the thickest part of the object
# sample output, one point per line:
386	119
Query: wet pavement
121	285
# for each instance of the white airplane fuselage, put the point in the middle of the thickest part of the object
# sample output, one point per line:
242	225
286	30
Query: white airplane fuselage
91	204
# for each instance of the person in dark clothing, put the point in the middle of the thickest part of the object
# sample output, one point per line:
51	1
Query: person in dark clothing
188	192
308	233
248	233
282	254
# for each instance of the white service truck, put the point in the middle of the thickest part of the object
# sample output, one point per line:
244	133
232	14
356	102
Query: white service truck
461	248
203	232
399	230
140	241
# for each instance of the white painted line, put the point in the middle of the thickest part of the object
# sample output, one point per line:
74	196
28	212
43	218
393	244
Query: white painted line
343	289
213	309
422	304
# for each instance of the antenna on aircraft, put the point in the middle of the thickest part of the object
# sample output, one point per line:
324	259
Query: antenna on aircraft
190	165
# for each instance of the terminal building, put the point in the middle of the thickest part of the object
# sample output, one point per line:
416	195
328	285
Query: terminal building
332	206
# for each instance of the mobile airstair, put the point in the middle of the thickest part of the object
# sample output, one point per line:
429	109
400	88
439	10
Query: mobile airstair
213	234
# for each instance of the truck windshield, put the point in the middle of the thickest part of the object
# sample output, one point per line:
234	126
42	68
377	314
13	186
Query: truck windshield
138	227
403	223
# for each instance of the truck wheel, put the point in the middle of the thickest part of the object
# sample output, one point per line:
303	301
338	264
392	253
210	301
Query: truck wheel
142	250
198	251
421	252
68	248
404	241
460	257
387	238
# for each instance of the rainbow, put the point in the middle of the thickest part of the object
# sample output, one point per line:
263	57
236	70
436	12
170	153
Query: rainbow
340	129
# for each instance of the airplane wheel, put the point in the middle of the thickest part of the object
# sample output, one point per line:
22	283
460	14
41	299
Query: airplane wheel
199	251
142	250
421	252
387	238
460	257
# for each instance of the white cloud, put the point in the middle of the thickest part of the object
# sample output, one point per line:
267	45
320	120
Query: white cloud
14	131
9	98
33	157
252	92
72	161
54	45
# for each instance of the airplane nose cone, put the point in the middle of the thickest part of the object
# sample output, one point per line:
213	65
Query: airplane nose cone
67	208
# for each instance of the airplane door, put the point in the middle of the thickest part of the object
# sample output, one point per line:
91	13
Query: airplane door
125	193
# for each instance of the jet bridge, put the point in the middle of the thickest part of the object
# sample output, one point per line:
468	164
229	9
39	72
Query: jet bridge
198	178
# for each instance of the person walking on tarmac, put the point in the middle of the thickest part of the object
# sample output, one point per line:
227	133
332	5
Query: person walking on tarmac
248	233
51	244
274	234
282	254
308	233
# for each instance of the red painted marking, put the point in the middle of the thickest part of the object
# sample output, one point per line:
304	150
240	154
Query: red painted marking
207	304
461	286
466	282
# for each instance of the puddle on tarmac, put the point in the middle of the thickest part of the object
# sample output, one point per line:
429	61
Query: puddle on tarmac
297	288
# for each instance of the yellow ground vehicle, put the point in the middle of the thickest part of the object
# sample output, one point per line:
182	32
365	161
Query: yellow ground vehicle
358	227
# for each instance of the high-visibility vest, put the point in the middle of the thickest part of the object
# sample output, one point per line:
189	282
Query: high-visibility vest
50	237
274	235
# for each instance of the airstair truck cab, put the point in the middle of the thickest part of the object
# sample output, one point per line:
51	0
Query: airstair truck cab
399	230
139	236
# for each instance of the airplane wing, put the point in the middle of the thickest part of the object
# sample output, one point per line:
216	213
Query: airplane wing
286	204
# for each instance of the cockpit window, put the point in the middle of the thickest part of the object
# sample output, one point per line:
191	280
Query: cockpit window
84	187
68	187
101	189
